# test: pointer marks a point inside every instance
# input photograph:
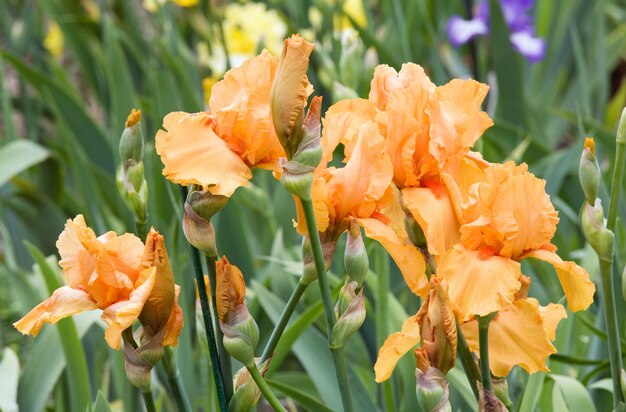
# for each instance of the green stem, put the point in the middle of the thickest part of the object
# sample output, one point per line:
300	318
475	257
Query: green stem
148	400
264	388
226	368
320	267
208	323
141	229
467	360
618	173
173	377
483	342
279	328
608	298
382	269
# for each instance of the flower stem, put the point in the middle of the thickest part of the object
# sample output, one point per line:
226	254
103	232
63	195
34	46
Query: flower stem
320	267
483	341
279	328
469	366
226	368
618	173
148	400
382	270
608	298
264	388
173	376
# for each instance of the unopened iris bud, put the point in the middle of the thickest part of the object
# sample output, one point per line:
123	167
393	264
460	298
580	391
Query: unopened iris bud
247	394
589	171
355	259
309	273
501	390
131	142
309	151
205	203
621	128
350	310
139	361
199	208
290	92
488	401
241	333
432	390
594	228
297	178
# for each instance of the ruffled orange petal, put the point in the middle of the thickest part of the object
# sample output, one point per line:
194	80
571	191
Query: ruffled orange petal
240	104
355	188
478	285
175	322
523	214
193	153
341	124
408	258
121	315
456	121
434	213
578	288
77	262
401	137
551	315
64	302
125	253
517	336
386	80
395	346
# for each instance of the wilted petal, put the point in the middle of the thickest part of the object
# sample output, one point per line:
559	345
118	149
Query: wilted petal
478	284
578	288
517	336
193	153
395	346
230	288
121	315
408	258
64	302
461	31
175	322
434	213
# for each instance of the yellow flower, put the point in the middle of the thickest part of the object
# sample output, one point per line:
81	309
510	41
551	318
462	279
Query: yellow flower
117	274
53	42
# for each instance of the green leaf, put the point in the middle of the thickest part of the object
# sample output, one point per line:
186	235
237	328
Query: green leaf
532	392
76	370
101	404
19	155
576	396
303	398
9	376
458	380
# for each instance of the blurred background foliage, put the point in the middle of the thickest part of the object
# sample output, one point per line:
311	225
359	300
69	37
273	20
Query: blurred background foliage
70	71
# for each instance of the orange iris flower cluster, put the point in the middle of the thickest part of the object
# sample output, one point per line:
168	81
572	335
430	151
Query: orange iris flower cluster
120	275
479	219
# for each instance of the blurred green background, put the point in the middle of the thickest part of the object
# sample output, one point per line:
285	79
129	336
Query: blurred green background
70	71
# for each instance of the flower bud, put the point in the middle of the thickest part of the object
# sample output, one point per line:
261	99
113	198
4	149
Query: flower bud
131	142
205	203
309	273
290	91
350	310
621	128
241	333
432	390
589	171
139	361
297	178
501	390
133	188
594	228
488	401
309	151
355	259
437	329
199	208
247	394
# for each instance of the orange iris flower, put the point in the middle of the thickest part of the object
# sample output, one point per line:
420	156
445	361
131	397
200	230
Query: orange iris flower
362	191
217	149
429	130
117	274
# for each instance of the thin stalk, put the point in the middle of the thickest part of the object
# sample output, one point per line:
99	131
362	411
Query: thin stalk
226	368
382	270
608	298
483	342
220	386
208	324
618	173
279	328
264	388
141	229
173	377
148	400
467	360
322	276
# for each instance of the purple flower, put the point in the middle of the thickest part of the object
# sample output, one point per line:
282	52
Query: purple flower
517	17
